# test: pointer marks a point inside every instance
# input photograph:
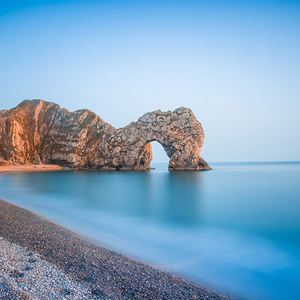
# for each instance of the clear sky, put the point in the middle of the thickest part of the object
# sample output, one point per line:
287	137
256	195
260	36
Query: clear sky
236	64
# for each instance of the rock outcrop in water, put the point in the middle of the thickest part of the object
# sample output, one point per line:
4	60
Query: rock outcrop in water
37	132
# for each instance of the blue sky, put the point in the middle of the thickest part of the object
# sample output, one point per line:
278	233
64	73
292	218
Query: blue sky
234	63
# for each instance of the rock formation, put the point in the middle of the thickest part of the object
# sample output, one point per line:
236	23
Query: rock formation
37	132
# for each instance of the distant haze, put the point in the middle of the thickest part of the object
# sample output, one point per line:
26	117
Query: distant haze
236	64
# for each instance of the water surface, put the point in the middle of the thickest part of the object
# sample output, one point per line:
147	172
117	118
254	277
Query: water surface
236	227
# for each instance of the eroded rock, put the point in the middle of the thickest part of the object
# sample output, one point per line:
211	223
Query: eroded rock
37	132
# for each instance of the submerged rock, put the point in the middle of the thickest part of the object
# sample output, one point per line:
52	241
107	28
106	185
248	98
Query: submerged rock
37	132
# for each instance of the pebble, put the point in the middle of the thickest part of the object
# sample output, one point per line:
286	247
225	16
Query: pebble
25	275
41	260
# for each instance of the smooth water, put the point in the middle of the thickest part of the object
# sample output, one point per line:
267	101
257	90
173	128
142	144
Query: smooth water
236	227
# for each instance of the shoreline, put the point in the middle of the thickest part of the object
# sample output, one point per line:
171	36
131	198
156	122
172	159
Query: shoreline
106	274
29	168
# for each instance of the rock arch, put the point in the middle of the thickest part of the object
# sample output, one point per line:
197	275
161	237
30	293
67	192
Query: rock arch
179	133
43	131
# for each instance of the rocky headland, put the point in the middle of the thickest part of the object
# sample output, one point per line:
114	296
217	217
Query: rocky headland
40	132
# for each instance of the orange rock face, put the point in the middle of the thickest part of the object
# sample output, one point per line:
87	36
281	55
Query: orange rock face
38	132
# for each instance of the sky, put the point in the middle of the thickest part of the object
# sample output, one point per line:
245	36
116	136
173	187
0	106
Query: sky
236	64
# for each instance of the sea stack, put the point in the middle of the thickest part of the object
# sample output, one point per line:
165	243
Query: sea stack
37	132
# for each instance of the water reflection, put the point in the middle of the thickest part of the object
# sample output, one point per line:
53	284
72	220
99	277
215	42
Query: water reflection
184	202
166	196
234	225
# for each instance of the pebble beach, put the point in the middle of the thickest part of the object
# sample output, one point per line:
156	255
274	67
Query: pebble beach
41	260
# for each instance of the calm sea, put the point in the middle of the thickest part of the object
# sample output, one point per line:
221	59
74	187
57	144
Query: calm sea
236	227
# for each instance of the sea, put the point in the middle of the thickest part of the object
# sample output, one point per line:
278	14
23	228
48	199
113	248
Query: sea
235	228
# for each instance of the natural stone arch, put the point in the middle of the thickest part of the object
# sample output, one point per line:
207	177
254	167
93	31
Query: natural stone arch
40	131
179	133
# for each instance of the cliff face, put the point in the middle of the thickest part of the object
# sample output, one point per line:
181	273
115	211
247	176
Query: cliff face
42	132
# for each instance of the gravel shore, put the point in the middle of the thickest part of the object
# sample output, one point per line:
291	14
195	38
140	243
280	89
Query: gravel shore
41	260
24	275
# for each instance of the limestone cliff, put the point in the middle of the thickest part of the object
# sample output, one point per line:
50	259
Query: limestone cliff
42	132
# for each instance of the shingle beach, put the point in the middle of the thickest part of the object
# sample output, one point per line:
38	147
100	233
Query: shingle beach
41	260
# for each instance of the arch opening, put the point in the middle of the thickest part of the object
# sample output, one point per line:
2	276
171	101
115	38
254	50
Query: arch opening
160	158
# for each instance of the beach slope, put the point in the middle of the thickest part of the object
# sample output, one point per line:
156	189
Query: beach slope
107	274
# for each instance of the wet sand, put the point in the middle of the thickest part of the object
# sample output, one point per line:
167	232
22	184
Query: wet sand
29	168
102	273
